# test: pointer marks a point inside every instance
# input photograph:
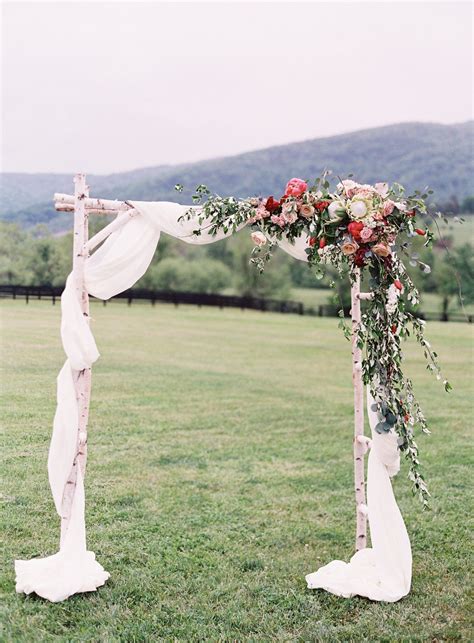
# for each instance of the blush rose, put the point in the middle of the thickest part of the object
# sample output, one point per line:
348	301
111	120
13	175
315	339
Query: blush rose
348	247
306	210
258	238
381	250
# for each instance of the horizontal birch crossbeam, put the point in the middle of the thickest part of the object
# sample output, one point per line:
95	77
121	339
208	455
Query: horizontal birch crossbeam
65	203
64	207
123	212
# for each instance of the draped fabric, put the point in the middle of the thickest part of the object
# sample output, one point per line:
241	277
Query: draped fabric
381	573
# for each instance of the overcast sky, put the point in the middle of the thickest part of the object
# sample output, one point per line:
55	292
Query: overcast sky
103	87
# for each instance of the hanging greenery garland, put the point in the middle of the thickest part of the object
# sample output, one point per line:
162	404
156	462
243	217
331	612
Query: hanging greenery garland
355	228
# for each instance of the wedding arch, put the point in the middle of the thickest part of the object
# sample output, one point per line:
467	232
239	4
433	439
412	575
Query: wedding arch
352	227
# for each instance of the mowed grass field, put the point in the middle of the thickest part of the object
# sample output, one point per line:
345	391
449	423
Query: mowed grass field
220	473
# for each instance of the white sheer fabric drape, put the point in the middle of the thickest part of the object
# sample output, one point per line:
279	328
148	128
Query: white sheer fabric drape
381	573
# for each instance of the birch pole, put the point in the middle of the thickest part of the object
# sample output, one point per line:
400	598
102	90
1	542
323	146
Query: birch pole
82	378
360	445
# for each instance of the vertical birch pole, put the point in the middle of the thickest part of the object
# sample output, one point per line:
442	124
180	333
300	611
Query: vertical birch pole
359	448
82	378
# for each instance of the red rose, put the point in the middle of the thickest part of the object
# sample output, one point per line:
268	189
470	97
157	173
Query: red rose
359	257
271	205
321	205
420	232
406	417
398	284
354	229
411	213
322	242
312	241
394	328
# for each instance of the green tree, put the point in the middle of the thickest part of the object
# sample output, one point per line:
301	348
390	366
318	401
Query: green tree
43	262
274	282
208	276
14	247
453	271
181	274
468	204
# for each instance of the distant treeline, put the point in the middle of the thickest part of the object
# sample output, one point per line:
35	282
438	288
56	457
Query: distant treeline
36	258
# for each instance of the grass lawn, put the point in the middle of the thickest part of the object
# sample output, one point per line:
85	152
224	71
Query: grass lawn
219	474
460	233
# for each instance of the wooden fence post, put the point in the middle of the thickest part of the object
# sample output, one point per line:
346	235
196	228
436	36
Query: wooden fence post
82	378
359	446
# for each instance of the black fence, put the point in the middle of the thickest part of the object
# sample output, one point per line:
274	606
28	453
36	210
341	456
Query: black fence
202	299
152	296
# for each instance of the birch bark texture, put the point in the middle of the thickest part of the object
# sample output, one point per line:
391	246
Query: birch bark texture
360	444
82	379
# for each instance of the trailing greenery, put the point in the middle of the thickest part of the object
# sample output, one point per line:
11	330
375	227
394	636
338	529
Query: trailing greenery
352	227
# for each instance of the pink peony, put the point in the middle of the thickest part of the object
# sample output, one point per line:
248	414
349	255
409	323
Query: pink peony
258	238
261	213
295	187
388	207
289	212
277	220
366	234
290	217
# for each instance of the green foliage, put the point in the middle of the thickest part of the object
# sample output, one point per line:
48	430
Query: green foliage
172	273
273	283
468	204
45	263
13	241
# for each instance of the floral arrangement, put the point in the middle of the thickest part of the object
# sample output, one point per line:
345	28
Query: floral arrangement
358	229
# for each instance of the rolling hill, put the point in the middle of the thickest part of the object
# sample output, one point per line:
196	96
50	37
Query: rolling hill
415	154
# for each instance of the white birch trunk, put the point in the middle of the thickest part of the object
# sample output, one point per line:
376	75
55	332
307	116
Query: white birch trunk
359	446
82	378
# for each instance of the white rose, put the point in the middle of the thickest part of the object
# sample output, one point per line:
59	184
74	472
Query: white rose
336	210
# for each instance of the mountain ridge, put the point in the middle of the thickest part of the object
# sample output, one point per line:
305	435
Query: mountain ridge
414	154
